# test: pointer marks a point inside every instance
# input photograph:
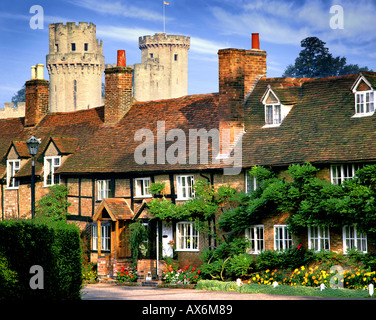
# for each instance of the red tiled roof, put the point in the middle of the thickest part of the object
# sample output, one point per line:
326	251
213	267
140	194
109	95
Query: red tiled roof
116	208
112	148
319	128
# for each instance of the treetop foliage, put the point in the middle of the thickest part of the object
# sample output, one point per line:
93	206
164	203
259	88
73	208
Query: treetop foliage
315	61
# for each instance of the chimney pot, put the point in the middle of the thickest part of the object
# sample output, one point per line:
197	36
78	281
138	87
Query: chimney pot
33	72
39	71
121	58
255	41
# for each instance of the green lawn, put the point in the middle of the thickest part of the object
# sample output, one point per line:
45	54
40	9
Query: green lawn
281	290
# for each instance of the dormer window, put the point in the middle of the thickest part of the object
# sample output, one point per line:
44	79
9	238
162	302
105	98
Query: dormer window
364	95
364	103
51	164
275	111
12	168
273	114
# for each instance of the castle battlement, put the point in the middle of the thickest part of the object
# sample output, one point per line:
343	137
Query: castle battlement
82	35
163	39
73	26
12	111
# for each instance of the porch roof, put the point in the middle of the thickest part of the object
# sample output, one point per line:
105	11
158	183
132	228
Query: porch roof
116	208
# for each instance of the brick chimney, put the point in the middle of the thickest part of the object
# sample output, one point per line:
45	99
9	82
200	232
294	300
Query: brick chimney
239	71
37	96
118	88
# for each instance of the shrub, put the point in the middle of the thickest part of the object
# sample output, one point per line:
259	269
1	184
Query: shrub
8	278
127	274
53	205
287	259
53	246
240	265
213	269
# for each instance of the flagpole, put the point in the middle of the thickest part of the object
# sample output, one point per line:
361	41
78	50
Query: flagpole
164	18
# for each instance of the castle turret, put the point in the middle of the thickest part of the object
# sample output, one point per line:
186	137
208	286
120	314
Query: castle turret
163	71
75	65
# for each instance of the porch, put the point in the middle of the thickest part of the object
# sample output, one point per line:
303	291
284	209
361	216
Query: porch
111	247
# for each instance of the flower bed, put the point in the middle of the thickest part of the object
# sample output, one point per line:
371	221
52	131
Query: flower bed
89	273
315	276
127	274
188	275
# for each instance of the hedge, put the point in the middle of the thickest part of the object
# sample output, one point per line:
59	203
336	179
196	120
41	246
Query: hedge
53	246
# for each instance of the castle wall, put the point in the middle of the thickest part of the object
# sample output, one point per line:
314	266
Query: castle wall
12	111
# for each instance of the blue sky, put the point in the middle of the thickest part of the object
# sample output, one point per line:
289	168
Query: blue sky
211	24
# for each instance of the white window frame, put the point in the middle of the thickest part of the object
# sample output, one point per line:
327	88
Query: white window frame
342	172
282	238
13	166
319	239
255	234
105	237
252	182
53	168
184	189
103	189
142	187
353	239
276	114
187	236
364	100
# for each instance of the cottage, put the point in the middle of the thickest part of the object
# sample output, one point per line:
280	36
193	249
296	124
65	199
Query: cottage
271	122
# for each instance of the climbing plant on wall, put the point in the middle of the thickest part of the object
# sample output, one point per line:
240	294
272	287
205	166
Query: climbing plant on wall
309	200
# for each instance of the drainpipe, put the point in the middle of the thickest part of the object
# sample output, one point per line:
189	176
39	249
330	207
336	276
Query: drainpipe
157	250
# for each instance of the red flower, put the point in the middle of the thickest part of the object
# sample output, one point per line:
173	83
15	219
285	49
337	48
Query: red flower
126	272
199	271
193	269
187	267
171	269
299	246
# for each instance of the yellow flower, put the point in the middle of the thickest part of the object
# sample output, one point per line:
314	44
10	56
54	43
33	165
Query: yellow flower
302	268
313	277
254	278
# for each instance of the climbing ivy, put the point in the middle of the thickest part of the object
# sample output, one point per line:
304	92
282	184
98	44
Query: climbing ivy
309	200
202	207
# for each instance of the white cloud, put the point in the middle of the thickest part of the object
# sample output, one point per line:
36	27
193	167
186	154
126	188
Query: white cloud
206	47
289	22
119	9
121	33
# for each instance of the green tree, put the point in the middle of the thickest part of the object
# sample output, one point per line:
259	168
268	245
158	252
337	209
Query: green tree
316	61
53	205
19	96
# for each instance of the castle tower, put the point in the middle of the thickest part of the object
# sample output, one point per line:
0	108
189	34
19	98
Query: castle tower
75	65
163	71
